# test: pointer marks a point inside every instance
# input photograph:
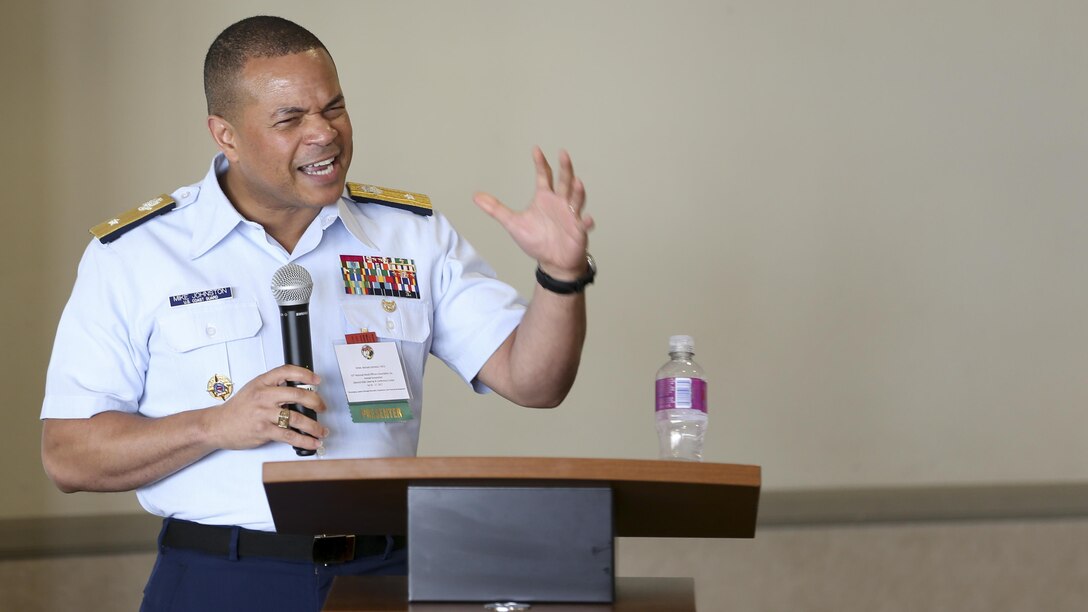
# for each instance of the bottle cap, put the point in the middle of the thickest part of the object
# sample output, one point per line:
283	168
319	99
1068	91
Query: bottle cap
681	344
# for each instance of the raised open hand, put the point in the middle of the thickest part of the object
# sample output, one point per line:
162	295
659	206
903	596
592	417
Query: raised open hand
553	230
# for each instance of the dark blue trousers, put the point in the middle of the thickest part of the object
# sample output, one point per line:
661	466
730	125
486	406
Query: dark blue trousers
190	581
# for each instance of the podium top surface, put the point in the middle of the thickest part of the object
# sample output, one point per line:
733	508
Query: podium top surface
651	498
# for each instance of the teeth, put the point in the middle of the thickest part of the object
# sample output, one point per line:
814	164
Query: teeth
319	168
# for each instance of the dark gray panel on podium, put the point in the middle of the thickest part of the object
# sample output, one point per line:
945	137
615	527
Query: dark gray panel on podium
469	543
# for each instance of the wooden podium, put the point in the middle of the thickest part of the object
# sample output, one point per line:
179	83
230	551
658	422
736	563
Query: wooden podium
647	497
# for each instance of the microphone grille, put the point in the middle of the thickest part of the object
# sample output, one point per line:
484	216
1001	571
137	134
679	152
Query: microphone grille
292	285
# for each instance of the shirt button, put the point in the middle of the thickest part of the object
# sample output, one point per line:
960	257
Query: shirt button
210	330
390	325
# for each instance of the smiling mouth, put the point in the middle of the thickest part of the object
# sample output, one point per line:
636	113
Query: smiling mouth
321	168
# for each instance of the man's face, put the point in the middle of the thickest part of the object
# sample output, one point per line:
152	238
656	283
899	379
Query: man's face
291	134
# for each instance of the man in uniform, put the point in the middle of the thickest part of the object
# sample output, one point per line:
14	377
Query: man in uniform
164	378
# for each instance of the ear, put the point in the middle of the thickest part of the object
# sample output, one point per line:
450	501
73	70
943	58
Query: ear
225	136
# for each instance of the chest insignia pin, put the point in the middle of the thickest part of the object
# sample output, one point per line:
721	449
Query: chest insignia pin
220	387
389	305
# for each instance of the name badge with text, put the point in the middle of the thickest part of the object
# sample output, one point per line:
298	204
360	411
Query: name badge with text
374	380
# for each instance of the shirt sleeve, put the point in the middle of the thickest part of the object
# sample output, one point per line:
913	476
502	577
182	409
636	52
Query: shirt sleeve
95	366
474	311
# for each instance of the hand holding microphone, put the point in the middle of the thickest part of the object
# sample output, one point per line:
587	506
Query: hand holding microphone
291	287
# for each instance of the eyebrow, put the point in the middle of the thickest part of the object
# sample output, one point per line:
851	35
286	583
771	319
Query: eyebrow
294	110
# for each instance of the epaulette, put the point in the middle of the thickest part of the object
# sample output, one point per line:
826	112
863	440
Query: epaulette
111	230
405	200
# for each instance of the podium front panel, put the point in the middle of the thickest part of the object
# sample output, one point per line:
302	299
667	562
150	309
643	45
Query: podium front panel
544	544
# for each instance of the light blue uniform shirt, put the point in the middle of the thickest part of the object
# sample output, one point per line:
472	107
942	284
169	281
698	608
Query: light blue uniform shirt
122	346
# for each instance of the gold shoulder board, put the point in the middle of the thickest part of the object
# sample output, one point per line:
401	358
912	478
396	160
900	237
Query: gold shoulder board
405	200
114	228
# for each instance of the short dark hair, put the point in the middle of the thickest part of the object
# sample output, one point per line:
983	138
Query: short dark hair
260	36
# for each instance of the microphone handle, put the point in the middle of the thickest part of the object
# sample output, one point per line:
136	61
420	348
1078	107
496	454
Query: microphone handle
297	350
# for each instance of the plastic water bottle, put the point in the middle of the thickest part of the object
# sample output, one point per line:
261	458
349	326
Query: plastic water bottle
681	403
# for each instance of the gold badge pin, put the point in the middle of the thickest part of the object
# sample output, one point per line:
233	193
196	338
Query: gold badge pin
389	305
220	387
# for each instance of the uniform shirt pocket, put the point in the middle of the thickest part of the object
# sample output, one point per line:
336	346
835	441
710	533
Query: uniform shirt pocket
408	323
408	320
196	326
199	342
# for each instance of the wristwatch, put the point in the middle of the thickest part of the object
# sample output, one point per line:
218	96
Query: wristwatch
565	287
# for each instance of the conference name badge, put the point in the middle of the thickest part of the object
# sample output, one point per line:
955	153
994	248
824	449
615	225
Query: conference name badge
374	380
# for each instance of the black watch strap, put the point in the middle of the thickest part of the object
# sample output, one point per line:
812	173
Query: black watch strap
566	287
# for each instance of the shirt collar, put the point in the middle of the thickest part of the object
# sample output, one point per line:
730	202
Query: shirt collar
220	216
353	222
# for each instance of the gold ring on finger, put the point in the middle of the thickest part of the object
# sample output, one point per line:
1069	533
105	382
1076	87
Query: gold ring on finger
284	419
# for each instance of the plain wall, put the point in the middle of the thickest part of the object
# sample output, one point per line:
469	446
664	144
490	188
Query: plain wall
869	215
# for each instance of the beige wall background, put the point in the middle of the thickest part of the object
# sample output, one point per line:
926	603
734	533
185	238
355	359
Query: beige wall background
870	215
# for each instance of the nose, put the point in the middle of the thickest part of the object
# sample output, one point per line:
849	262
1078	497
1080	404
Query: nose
319	130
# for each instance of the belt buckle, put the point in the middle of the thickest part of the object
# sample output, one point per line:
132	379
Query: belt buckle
329	549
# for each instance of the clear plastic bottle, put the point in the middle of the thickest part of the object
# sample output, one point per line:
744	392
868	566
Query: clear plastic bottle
681	403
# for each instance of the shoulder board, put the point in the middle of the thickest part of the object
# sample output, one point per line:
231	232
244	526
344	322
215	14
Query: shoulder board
405	200
114	228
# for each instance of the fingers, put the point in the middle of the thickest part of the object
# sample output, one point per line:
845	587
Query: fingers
298	440
493	207
588	222
288	373
566	176
578	195
251	417
300	430
543	170
297	395
292	437
279	391
263	393
569	187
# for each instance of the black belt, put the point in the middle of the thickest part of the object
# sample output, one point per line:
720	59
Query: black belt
326	549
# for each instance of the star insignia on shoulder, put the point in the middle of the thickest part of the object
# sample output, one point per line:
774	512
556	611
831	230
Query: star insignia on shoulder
111	230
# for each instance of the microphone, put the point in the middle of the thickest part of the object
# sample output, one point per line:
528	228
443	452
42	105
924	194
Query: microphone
292	286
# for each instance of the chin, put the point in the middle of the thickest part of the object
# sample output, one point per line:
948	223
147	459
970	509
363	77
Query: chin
322	200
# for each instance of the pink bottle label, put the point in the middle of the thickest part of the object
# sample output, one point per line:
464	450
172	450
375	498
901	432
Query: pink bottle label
681	393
